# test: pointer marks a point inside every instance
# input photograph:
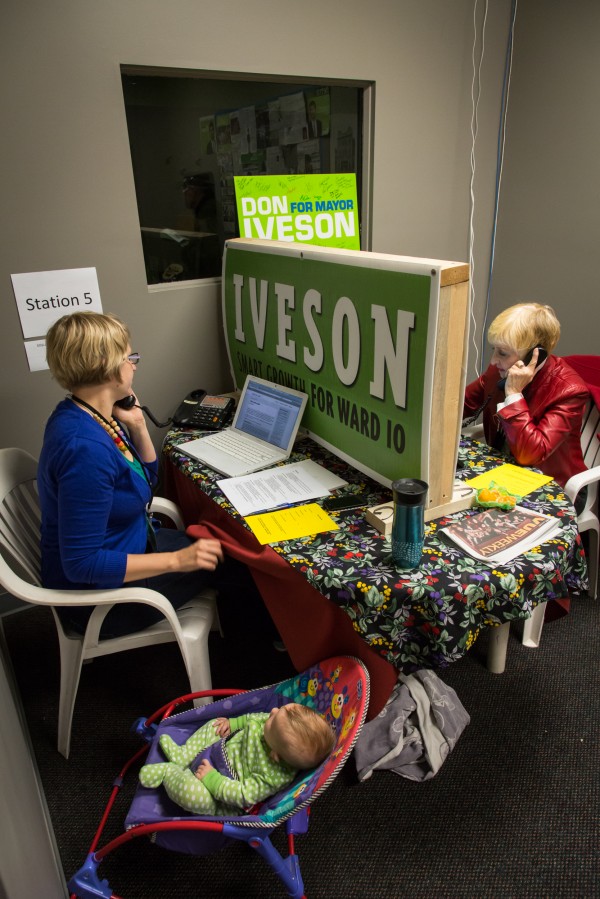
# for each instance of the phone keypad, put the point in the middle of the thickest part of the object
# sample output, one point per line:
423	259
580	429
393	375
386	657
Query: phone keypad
212	413
205	418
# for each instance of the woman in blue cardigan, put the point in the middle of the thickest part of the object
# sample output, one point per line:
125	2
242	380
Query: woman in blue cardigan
95	482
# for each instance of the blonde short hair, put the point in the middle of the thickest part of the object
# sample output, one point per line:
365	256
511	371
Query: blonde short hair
86	348
311	737
524	326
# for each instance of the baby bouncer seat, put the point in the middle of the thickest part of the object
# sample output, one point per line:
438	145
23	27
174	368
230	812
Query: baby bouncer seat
337	688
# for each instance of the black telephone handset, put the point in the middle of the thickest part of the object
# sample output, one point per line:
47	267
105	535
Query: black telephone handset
128	402
542	354
197	410
203	412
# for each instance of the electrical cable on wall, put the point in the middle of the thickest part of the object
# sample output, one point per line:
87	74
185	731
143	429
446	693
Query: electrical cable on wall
475	95
500	158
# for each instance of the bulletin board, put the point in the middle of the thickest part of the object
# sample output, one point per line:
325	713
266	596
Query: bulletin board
377	341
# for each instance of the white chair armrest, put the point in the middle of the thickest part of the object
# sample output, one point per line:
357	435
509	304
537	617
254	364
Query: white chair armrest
45	596
583	479
162	506
103	599
128	594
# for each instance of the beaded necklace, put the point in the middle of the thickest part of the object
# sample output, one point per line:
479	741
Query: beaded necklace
112	428
117	435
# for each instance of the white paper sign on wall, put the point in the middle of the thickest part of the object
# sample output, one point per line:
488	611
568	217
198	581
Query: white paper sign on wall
44	297
36	354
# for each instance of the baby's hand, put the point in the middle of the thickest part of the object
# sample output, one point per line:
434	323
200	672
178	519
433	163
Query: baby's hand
203	768
222	727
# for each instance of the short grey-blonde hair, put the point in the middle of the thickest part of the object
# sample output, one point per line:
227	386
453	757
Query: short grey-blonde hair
524	326
86	348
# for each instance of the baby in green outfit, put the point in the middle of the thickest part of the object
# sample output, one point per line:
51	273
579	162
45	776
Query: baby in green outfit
261	750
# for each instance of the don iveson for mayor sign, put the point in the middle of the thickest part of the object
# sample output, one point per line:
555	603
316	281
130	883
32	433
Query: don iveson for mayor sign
313	209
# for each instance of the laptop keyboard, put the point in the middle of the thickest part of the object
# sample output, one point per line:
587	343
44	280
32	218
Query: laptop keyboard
236	446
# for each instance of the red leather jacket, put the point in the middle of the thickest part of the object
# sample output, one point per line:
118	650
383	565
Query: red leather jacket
542	429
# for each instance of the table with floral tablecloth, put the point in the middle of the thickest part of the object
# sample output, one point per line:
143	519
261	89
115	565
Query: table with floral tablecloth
431	616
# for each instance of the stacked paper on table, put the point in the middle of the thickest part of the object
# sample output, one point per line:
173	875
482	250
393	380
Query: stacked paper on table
283	485
493	535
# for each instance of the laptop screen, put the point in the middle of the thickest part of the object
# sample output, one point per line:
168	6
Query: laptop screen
269	412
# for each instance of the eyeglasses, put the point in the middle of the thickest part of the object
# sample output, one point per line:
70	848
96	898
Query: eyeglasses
134	358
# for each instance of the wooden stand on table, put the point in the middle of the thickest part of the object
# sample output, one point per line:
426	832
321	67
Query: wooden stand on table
380	517
448	390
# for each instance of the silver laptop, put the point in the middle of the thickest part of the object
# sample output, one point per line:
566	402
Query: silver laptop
262	433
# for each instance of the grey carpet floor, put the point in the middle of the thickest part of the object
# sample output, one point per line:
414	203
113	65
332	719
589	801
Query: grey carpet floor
514	811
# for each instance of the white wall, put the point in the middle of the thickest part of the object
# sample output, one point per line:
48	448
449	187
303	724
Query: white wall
67	186
549	222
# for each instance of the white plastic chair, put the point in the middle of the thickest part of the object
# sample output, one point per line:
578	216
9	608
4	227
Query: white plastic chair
587	520
20	576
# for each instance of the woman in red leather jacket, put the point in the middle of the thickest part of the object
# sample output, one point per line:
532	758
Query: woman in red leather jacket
537	412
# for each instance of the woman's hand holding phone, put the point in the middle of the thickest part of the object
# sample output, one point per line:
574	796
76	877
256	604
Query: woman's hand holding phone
521	373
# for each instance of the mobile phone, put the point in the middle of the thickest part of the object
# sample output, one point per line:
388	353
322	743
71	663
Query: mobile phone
346	502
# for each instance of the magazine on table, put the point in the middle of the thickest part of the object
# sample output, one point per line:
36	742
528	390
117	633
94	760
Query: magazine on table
493	535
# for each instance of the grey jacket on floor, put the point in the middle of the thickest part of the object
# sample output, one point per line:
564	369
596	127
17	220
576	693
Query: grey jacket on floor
415	731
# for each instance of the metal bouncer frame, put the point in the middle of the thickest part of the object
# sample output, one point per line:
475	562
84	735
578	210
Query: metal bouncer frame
339	686
86	883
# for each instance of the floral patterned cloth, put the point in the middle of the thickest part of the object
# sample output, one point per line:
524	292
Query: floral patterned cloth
431	616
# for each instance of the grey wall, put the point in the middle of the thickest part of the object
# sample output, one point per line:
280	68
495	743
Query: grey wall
68	196
27	830
549	221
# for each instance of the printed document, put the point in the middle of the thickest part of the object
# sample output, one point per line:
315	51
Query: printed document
280	486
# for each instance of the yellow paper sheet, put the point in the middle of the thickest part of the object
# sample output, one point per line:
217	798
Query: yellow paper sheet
290	524
517	480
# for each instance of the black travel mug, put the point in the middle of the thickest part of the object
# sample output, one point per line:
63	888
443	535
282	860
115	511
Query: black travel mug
408	527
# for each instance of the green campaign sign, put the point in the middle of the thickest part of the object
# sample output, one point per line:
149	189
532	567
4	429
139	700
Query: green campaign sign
355	331
312	209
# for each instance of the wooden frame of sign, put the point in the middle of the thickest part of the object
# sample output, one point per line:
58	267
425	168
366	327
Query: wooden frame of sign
448	390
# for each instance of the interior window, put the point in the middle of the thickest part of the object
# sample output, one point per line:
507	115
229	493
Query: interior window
190	133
